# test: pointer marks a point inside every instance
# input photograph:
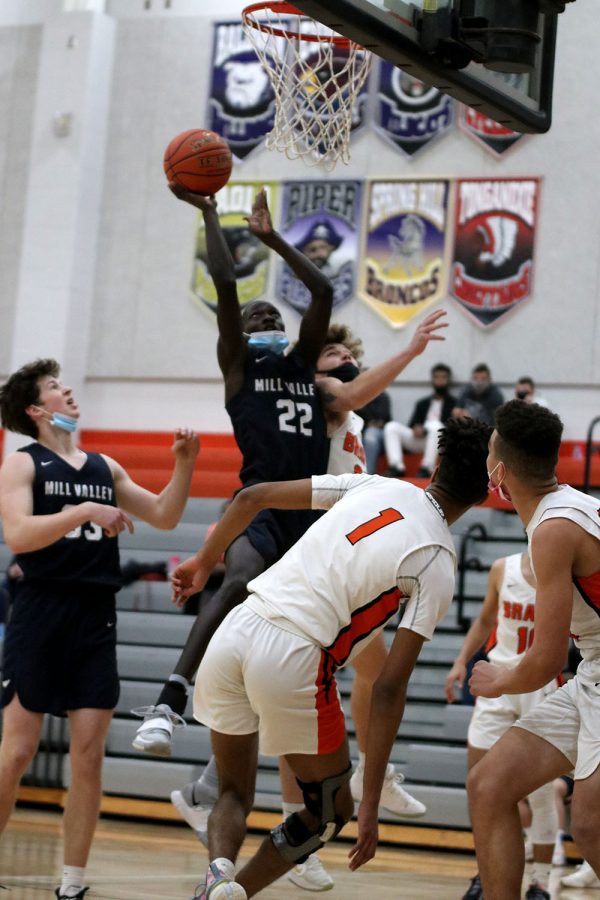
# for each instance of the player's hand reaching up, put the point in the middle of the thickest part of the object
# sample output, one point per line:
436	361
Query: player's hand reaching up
259	220
188	578
186	444
368	835
428	331
206	204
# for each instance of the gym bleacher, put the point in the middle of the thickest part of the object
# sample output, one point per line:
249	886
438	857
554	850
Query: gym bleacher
430	748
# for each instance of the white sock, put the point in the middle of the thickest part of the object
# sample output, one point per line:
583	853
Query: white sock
72	880
541	874
225	866
362	758
289	808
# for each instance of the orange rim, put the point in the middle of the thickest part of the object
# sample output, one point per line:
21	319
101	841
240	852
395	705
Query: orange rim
291	10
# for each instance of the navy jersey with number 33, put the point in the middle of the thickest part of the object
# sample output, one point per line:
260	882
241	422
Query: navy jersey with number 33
85	554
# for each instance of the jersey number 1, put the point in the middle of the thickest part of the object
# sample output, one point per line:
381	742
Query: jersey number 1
385	517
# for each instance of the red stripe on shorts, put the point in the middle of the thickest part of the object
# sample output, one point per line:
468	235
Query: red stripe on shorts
331	725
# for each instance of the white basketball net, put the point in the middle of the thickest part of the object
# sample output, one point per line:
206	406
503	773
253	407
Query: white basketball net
316	82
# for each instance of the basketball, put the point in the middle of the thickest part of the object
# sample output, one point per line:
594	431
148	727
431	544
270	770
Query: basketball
199	161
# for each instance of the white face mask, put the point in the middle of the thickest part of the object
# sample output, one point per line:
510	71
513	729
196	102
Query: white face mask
496	489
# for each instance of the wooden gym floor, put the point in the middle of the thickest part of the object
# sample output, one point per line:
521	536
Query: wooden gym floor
133	860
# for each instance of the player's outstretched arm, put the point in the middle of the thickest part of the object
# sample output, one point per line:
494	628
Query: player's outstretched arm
191	576
162	510
342	397
388	699
315	321
231	348
24	532
478	633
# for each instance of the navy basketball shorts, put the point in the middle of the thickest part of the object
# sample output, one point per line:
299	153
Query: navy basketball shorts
60	648
273	531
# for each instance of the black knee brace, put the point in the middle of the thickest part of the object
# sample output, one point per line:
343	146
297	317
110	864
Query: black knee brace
293	839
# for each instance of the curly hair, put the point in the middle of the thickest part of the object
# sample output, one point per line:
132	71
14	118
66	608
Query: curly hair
463	448
22	390
342	334
528	439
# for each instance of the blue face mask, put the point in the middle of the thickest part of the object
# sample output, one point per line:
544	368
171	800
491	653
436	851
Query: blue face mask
67	423
275	341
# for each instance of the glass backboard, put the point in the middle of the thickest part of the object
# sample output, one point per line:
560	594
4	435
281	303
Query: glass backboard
400	32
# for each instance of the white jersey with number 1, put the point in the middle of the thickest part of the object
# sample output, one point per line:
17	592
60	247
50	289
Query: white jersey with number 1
514	629
384	544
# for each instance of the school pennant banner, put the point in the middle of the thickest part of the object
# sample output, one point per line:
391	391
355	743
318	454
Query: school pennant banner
494	138
251	257
322	219
404	261
409	113
241	102
492	262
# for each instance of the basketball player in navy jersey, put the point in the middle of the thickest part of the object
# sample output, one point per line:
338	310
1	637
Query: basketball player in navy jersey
62	511
563	731
278	422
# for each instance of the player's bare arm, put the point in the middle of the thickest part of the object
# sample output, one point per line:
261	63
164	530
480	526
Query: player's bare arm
315	321
478	633
24	532
162	510
338	396
388	700
191	576
231	346
553	552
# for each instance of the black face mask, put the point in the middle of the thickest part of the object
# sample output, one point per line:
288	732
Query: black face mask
441	391
522	395
346	372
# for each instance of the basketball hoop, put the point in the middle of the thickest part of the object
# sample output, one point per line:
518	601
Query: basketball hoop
316	75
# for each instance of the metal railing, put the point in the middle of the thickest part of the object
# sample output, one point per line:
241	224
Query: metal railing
475	532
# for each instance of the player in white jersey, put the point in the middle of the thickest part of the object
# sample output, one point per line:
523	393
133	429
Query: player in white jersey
563	732
268	677
505	626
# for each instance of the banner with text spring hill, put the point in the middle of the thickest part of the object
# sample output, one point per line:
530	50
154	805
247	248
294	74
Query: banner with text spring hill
404	260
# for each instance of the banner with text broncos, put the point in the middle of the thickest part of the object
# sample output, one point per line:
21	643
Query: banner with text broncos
492	263
322	219
408	112
495	138
251	258
241	102
404	261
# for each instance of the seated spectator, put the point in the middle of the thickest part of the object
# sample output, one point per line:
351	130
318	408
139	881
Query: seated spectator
525	390
480	398
421	434
375	415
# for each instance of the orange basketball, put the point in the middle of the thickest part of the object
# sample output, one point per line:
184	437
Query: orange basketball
199	161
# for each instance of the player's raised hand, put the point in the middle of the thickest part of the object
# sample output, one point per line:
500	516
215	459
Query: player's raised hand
111	519
483	680
206	204
189	578
259	220
428	331
368	836
186	444
455	678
